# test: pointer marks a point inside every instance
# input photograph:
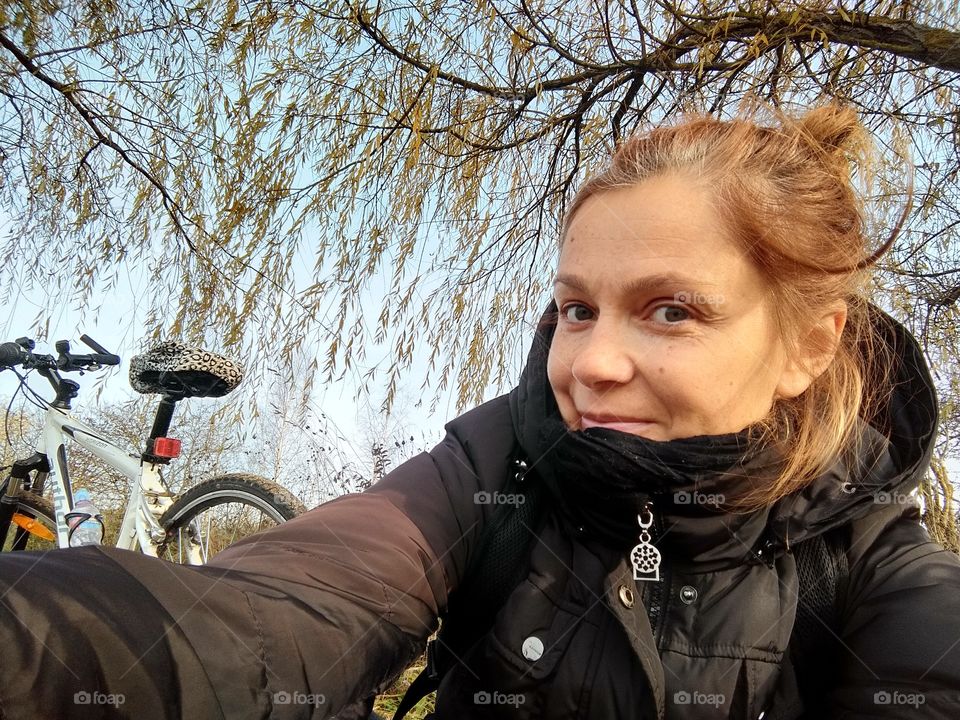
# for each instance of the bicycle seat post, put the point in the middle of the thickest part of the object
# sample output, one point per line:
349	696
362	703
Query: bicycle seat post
161	426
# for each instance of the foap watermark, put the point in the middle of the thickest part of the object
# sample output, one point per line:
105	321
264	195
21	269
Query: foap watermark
892	498
686	497
98	698
512	99
694	297
298	698
895	697
498	498
484	697
683	697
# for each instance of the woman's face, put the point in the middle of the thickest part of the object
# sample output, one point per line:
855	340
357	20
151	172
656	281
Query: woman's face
665	328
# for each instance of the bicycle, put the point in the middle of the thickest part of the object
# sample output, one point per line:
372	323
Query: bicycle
186	529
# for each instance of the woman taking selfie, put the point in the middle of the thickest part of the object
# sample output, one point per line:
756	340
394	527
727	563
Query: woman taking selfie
707	464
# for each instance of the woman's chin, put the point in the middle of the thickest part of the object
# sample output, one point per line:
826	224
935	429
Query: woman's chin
647	430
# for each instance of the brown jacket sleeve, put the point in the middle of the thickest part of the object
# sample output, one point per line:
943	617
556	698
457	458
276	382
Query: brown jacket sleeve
296	622
293	623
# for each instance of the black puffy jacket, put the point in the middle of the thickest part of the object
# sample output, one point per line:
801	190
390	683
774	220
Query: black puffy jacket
326	609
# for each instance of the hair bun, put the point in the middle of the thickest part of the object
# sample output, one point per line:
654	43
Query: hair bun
832	128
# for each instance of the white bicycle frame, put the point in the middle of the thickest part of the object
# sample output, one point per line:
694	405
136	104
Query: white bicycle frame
149	497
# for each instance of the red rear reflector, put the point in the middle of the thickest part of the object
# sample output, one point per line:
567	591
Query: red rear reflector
166	447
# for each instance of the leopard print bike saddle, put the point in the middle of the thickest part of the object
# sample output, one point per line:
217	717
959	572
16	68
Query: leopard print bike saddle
175	369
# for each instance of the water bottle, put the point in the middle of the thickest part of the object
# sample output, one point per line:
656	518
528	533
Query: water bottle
84	522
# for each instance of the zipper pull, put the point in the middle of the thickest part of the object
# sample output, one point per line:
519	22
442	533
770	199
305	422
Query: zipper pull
644	557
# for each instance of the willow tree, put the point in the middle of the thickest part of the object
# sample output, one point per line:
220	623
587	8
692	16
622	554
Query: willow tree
266	162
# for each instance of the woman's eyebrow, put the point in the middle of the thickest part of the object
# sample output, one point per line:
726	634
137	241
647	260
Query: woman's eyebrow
674	281
570	281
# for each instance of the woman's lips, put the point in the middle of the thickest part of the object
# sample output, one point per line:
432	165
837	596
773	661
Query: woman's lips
634	427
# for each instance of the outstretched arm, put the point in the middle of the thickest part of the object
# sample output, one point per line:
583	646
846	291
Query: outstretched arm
325	607
295	622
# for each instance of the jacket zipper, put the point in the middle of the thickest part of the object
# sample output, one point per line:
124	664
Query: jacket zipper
657	588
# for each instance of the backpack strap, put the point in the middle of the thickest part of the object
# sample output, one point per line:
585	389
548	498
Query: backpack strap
499	564
822	567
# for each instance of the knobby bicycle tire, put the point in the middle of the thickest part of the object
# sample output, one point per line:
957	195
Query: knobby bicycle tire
217	512
239	490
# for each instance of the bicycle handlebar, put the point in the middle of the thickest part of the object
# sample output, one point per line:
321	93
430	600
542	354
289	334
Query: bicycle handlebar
21	353
68	362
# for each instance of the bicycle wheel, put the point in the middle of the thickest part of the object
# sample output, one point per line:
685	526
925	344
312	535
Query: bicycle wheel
218	512
32	527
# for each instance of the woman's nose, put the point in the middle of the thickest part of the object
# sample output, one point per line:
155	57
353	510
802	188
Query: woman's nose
603	357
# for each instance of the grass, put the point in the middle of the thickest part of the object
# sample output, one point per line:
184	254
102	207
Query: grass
386	703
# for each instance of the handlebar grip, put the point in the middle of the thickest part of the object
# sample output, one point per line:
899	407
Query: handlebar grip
70	362
105	358
11	354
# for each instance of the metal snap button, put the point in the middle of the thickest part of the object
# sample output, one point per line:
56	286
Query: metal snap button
626	596
688	594
532	648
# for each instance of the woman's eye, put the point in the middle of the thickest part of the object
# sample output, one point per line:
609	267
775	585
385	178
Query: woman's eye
671	314
577	313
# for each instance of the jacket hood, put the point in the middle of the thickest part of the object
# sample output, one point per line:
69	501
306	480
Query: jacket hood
896	447
601	478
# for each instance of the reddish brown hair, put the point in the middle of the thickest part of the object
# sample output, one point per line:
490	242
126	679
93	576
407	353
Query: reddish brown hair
786	194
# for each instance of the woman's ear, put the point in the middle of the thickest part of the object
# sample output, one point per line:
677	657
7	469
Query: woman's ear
815	351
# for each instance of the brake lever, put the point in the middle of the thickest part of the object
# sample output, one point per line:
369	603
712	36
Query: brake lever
91	343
